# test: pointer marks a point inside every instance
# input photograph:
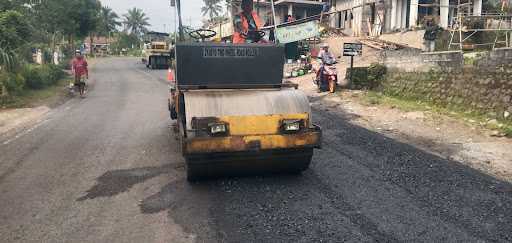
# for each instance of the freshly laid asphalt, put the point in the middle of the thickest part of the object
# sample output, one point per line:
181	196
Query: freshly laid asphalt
108	168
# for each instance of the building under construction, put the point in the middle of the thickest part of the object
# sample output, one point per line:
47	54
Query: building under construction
465	19
374	17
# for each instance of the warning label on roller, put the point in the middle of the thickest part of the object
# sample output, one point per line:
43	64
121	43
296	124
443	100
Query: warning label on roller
230	52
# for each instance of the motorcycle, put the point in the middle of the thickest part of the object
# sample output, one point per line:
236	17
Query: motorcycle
327	77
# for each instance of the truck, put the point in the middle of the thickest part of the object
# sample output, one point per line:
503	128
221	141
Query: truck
157	51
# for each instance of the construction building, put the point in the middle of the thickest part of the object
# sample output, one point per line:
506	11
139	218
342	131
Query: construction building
297	9
374	17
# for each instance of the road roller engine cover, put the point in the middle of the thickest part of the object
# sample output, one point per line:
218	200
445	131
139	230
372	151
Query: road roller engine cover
235	115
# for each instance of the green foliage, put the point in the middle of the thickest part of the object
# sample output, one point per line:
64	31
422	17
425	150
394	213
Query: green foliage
8	59
508	131
14	83
366	77
136	22
14	28
125	41
109	21
39	77
134	52
212	8
28	24
376	73
6	5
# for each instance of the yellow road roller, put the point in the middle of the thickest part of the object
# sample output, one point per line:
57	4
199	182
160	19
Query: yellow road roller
234	112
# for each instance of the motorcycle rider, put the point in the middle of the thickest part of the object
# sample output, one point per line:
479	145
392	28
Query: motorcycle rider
327	74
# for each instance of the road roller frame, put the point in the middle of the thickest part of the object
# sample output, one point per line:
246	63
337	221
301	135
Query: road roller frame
223	134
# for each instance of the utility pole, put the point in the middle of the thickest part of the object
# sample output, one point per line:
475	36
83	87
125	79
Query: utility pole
178	6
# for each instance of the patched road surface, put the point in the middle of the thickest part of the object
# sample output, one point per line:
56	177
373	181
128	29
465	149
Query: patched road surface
108	169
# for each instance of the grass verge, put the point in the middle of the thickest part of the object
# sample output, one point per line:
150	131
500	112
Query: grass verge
49	96
408	105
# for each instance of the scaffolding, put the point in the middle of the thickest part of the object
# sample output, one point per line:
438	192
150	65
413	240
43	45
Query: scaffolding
497	23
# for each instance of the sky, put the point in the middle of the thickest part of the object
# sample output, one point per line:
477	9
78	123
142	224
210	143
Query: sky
159	12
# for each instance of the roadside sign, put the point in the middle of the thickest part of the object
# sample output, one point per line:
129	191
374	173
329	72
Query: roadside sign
292	33
352	49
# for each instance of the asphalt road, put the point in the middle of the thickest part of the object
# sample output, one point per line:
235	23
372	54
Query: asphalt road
107	169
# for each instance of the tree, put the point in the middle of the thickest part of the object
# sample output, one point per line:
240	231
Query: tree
136	21
15	31
212	8
108	21
230	6
13	5
88	17
14	28
69	18
8	58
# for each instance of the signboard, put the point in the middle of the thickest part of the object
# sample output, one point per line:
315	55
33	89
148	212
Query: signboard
352	49
292	33
229	52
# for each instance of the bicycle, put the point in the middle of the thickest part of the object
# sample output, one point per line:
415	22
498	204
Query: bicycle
80	88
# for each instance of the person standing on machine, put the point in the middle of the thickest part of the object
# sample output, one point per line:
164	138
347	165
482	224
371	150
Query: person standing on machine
246	24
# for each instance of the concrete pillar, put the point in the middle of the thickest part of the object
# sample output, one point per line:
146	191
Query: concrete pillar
357	21
290	9
403	22
443	13
413	15
393	15
477	7
398	20
387	16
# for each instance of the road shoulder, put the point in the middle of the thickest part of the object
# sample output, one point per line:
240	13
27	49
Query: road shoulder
452	138
35	105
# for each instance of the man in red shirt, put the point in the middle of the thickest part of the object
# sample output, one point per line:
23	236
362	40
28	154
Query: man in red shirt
79	66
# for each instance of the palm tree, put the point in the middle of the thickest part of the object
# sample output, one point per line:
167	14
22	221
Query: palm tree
230	6
212	8
8	58
109	21
136	21
8	61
